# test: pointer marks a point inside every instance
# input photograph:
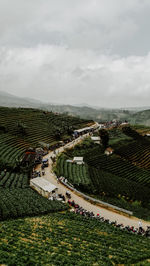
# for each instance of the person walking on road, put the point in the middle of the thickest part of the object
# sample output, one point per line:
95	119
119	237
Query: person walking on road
140	227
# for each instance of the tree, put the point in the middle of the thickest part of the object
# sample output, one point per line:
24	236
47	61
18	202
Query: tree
21	128
104	137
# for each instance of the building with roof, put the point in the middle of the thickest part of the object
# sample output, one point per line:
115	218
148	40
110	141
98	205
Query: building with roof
78	160
96	139
108	151
43	187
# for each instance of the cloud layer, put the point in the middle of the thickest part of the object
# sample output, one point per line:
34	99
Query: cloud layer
76	51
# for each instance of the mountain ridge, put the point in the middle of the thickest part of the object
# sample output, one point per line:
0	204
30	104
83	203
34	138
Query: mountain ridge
134	115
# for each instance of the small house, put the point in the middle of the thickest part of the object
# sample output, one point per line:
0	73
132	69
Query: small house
43	187
109	151
78	160
96	139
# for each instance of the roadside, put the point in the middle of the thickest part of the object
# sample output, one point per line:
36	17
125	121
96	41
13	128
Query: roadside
112	215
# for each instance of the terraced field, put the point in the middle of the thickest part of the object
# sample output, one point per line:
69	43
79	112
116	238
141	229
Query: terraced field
21	129
110	176
137	153
76	174
120	167
69	239
13	180
25	202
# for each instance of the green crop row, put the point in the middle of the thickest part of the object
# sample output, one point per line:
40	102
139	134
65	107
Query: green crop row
24	202
69	239
137	153
13	180
76	174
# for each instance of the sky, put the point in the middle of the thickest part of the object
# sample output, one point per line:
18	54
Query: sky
75	52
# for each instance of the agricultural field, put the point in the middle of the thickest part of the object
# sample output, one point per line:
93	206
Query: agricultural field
69	239
77	174
115	178
13	180
137	153
25	202
117	138
21	129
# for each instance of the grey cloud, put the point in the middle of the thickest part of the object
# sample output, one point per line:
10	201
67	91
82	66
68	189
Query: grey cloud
58	74
76	51
112	26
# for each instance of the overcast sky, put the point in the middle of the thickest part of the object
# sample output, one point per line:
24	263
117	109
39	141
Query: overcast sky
76	51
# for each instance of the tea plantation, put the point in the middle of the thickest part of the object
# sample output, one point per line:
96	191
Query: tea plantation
36	231
69	239
115	178
21	129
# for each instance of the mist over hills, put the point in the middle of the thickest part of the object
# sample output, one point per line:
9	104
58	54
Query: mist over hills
135	115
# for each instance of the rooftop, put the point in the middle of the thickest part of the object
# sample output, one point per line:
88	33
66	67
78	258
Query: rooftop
43	183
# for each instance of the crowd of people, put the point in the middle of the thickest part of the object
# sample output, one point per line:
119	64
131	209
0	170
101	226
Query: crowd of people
87	214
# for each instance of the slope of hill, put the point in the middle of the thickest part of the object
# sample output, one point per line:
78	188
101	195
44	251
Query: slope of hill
141	118
133	115
9	100
69	239
122	178
21	131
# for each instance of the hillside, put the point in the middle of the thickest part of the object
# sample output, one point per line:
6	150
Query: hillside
141	118
37	231
122	178
69	239
9	100
21	132
133	115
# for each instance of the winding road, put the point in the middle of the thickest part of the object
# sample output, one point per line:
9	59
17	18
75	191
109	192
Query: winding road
112	215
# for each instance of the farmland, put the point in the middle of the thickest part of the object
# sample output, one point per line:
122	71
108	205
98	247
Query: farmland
22	129
68	239
37	231
117	179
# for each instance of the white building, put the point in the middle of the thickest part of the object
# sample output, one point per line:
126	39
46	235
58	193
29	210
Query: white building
43	187
78	160
96	139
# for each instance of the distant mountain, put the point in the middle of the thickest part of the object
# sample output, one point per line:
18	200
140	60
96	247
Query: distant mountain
9	100
141	118
134	115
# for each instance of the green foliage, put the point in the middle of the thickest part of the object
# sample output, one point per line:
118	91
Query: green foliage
69	239
106	175
29	127
13	180
104	137
25	202
132	133
77	175
136	152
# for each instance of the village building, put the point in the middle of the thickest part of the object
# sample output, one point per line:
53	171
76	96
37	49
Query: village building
78	160
96	139
44	187
108	151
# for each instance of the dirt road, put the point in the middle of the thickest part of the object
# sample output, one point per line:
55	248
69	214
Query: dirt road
107	214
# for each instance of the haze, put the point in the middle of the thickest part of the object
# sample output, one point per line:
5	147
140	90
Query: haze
66	51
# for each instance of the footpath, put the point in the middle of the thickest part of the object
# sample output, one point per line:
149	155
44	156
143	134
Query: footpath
80	199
